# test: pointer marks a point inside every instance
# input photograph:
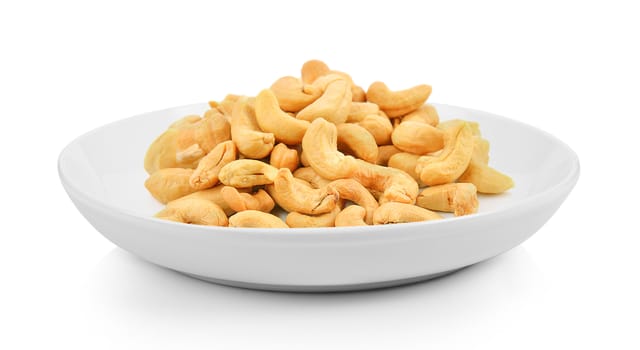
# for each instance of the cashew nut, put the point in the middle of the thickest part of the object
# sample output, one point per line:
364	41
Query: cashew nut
293	194
168	184
246	133
334	104
486	179
395	185
292	95
352	190
359	110
214	195
458	198
225	106
320	149
385	153
206	174
379	126
407	163
272	119
452	161
295	219
196	211
418	138
398	103
312	70
394	213
247	173
284	157
480	150
255	218
356	140
309	175
185	142
352	215
425	114
239	201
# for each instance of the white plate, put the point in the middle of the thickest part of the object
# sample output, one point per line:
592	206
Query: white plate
102	171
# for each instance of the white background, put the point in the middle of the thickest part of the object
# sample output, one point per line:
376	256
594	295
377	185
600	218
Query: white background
570	68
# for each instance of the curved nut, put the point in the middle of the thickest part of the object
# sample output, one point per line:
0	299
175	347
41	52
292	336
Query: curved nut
320	148
272	119
255	218
333	105
458	198
185	142
309	175
352	190
291	94
240	201
206	174
312	70
196	211
356	140
418	138
168	184
379	126
359	110
214	195
296	195
452	161
486	179
295	219
395	185
425	114
247	173
246	133
352	215
407	163
385	153
284	157
394	213
398	103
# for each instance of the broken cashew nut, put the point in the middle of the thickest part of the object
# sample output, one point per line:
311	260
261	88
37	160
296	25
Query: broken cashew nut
458	198
256	219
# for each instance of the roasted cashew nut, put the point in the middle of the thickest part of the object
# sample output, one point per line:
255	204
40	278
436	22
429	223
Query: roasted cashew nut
354	191
225	106
196	211
295	219
214	195
246	133
314	69
334	104
320	148
168	184
385	153
425	114
407	163
247	173
206	174
272	119
486	179
309	175
379	126
257	219
356	140
398	103
284	157
395	185
359	110
293	194
457	198
292	95
452	161
417	137
352	215
240	201
394	213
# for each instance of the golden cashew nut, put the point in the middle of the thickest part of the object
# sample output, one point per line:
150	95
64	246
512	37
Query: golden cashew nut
385	153
354	191
452	161
407	163
320	149
206	174
359	110
284	157
309	175
395	185
274	120
214	195
394	213
333	105
352	215
486	179
292	95
457	198
168	184
240	201
379	126
247	173
295	219
196	211
293	194
398	103
356	140
246	133
256	219
425	114
314	69
417	138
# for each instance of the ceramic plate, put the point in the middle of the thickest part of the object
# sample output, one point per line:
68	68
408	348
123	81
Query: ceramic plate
102	171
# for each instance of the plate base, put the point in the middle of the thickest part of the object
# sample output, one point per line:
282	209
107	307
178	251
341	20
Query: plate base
325	288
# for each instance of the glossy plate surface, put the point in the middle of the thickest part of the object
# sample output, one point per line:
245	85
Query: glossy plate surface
102	171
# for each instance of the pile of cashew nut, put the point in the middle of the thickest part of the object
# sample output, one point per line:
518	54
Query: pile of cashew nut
325	151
